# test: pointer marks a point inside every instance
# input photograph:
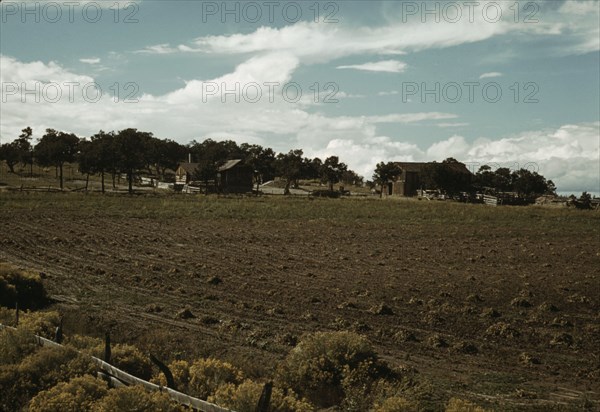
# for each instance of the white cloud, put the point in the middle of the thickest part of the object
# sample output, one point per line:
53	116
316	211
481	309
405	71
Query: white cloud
580	23
490	75
94	60
163	48
456	124
314	42
575	22
410	117
15	71
388	66
568	155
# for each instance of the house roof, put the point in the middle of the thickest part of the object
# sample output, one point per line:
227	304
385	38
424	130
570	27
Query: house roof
230	164
418	166
189	167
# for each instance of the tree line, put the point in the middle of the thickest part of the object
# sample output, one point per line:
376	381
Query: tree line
450	179
133	152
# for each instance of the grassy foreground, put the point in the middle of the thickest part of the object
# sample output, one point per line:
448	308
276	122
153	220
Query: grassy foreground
347	210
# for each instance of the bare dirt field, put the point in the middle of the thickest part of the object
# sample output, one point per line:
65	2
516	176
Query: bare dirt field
498	305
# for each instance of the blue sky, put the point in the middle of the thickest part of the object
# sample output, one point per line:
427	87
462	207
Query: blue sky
175	59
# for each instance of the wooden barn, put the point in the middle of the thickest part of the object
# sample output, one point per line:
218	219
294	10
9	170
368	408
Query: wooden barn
233	177
409	180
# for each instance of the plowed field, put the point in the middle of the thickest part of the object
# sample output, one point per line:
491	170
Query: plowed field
501	305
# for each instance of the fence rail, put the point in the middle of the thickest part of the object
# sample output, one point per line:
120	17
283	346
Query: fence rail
125	378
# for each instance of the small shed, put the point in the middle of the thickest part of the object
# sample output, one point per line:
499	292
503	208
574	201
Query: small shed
235	177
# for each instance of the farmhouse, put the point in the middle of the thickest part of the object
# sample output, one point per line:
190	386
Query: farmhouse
410	180
185	173
233	176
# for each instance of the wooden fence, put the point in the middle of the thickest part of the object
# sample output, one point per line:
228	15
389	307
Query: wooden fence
490	200
118	378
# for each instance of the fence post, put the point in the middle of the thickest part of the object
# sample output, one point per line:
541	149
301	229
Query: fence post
58	333
165	370
265	398
107	347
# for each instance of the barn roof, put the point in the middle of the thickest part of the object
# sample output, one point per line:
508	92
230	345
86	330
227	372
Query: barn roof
230	164
418	166
191	167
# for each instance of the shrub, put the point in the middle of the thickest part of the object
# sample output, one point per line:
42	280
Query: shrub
84	343
40	370
181	375
24	287
317	367
127	358
396	404
360	388
245	397
40	323
79	394
15	345
206	375
460	405
136	399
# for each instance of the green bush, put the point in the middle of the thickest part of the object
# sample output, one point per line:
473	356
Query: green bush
40	323
181	375
84	343
125	357
24	287
206	375
319	365
79	394
15	345
135	399
245	397
40	370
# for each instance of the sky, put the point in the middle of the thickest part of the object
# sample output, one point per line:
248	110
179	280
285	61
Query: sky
505	83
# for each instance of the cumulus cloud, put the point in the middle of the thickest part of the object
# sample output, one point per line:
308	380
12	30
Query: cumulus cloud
388	66
568	155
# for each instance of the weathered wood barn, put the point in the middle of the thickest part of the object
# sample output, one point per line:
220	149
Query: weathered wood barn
409	180
233	177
